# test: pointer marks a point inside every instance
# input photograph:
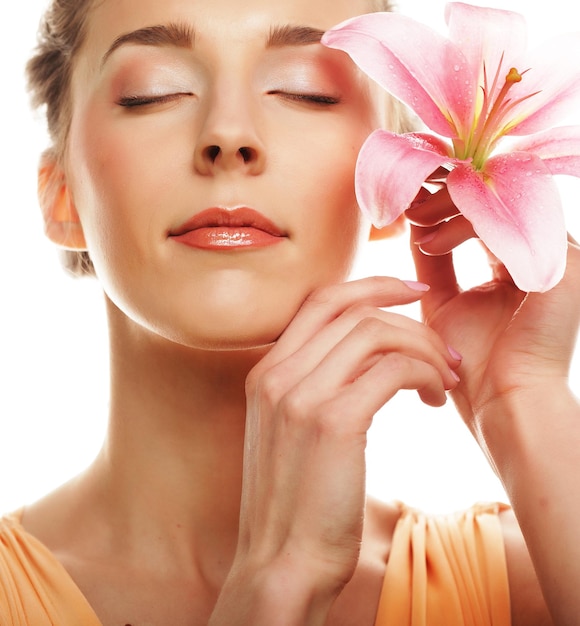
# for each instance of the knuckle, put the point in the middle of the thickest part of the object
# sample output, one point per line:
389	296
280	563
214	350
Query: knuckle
380	284
322	296
269	385
360	311
371	327
299	412
397	362
272	387
294	405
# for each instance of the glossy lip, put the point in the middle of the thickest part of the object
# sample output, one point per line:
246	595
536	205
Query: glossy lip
219	228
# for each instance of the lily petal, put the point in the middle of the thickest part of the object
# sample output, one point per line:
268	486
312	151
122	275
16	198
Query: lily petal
559	149
553	74
494	36
391	169
515	209
414	63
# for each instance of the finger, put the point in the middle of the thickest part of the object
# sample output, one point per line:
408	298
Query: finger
353	329
369	342
393	332
446	236
432	210
436	271
403	329
328	303
371	391
439	175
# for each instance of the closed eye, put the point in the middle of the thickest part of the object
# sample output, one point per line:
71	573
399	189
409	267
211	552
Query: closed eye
309	98
139	101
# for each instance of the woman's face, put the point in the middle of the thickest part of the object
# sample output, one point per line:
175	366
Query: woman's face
184	112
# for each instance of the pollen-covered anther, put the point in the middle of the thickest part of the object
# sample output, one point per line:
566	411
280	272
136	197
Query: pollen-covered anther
513	76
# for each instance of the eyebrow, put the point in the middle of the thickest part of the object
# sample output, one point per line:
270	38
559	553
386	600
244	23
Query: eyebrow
289	35
183	36
173	34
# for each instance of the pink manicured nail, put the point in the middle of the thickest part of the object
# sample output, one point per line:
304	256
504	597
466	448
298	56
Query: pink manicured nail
455	375
416	203
455	354
417	286
426	238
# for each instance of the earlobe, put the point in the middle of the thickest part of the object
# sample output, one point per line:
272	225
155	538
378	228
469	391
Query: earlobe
61	220
394	229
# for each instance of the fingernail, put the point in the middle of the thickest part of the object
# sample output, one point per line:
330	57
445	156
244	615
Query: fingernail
453	352
455	375
426	238
416	203
417	286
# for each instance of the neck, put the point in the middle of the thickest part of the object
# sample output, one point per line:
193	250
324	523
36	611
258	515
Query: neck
171	465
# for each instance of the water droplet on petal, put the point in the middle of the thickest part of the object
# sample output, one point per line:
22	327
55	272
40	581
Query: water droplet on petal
457	67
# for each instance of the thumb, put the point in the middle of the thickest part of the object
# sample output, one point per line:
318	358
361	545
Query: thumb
436	271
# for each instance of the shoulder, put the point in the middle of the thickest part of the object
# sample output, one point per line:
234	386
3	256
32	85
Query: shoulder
10	538
12	564
527	602
18	552
357	604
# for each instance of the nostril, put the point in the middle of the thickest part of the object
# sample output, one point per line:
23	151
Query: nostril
247	154
212	152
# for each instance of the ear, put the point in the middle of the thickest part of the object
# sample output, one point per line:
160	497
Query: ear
61	220
394	229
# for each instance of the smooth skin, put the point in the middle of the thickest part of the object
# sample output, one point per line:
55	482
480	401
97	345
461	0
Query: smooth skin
230	487
514	395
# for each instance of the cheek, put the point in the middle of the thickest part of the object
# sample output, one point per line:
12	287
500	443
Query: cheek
119	182
324	186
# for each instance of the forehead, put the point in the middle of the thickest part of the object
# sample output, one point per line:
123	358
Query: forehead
226	19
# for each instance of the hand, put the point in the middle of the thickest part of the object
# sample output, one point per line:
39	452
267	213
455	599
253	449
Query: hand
512	343
514	395
311	401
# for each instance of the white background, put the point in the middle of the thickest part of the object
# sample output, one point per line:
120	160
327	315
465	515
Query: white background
53	381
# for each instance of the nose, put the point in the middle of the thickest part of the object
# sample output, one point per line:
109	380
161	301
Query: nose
229	140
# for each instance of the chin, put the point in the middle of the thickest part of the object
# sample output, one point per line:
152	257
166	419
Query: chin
235	325
236	341
225	337
238	345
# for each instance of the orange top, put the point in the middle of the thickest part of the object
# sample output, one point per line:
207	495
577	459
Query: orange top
447	569
442	570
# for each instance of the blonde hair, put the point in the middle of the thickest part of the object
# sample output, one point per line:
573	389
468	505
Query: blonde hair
382	5
49	71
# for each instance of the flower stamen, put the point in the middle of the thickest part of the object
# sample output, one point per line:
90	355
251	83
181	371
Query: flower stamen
486	134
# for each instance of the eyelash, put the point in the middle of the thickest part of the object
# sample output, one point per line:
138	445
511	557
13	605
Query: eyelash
316	99
137	101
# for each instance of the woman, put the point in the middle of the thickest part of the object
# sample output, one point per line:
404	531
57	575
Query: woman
202	164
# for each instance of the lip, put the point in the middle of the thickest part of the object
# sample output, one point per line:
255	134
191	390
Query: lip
218	229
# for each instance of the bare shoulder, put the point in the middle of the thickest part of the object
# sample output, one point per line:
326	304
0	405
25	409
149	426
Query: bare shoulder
527	601
357	604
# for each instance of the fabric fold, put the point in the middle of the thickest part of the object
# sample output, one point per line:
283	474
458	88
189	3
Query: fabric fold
447	569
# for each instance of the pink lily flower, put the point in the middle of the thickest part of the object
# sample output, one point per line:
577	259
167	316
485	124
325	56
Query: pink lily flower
472	89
